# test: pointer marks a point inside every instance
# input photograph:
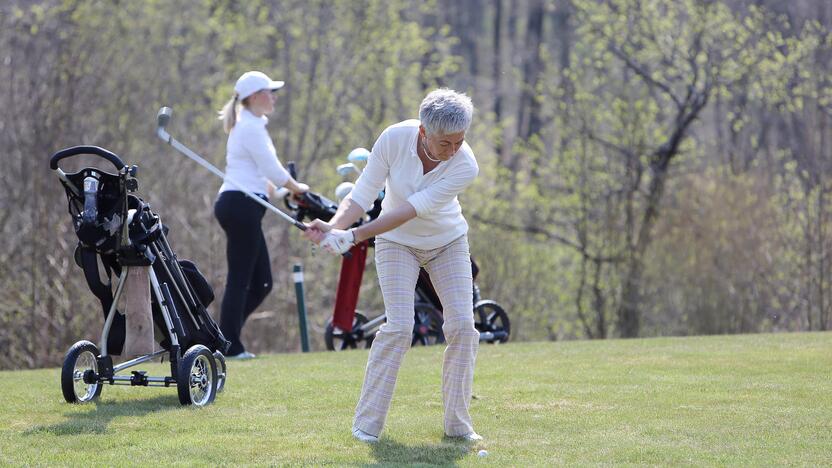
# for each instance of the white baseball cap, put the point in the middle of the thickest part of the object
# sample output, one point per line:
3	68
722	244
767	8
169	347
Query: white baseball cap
254	81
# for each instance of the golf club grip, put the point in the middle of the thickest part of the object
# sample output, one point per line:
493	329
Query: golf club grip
300	226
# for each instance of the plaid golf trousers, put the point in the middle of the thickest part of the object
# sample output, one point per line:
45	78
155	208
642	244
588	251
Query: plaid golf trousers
449	268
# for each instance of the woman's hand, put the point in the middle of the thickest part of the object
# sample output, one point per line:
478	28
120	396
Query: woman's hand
338	241
275	193
316	230
298	188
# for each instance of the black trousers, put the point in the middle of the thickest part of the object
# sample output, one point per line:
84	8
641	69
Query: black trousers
249	269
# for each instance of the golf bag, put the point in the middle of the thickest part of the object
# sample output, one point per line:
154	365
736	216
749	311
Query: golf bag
116	230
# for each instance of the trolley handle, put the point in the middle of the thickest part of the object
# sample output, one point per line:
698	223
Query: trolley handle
85	149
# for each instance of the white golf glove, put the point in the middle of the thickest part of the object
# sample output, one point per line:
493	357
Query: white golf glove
338	241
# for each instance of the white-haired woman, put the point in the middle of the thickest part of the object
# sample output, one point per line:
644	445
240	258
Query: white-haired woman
251	162
423	165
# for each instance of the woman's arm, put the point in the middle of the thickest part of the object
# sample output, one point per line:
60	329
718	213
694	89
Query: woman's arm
360	200
385	222
348	213
340	241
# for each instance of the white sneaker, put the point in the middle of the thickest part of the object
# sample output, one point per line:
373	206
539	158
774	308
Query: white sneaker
241	356
471	437
363	436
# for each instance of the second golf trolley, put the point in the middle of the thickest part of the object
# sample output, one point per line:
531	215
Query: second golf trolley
349	328
117	231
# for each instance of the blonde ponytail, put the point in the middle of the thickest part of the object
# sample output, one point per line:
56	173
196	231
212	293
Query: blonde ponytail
228	114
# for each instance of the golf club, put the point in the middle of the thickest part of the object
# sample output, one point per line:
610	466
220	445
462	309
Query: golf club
162	120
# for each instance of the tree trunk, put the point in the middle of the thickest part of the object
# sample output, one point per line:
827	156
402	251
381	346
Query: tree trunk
629	310
529	122
498	59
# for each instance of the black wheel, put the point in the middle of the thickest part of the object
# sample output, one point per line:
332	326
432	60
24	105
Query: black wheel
427	327
196	378
222	371
492	322
79	375
338	340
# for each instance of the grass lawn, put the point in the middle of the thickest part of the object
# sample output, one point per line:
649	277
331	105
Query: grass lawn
723	400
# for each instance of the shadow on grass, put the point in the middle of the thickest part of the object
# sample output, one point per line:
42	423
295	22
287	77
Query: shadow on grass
98	416
445	453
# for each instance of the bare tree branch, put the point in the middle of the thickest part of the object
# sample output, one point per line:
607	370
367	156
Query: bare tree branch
534	230
609	145
644	73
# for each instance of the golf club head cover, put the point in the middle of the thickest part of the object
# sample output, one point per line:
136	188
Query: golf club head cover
338	241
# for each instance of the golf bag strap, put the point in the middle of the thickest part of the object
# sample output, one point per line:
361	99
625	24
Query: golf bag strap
104	293
89	263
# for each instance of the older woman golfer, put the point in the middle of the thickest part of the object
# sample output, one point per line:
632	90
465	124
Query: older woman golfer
423	165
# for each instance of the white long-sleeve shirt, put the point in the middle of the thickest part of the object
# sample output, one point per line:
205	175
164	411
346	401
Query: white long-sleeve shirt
395	165
251	159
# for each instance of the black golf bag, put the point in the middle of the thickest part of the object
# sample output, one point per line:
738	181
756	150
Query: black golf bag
118	231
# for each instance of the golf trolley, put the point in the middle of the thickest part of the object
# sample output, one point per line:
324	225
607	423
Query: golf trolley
118	231
348	328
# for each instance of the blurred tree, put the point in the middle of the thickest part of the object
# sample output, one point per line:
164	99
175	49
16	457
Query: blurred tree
648	167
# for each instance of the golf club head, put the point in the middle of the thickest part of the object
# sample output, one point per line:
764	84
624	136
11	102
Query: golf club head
163	117
343	189
346	169
162	120
358	155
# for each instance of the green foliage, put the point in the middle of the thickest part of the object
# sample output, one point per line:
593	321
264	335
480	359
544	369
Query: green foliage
96	72
589	181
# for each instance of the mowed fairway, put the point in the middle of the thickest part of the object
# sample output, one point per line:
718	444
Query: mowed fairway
722	400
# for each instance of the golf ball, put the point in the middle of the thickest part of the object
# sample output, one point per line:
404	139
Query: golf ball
482	453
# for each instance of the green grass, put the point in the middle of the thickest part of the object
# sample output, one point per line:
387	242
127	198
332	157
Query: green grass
727	400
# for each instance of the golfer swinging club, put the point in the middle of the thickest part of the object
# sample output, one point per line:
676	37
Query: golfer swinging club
423	165
252	164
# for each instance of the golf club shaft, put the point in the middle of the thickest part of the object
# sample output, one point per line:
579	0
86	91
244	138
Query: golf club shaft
167	138
162	120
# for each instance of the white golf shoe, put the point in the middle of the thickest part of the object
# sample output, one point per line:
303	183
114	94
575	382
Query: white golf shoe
242	356
363	436
471	437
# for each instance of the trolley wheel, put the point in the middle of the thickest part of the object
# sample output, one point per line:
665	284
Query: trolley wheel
79	375
489	317
222	371
337	340
427	327
196	378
